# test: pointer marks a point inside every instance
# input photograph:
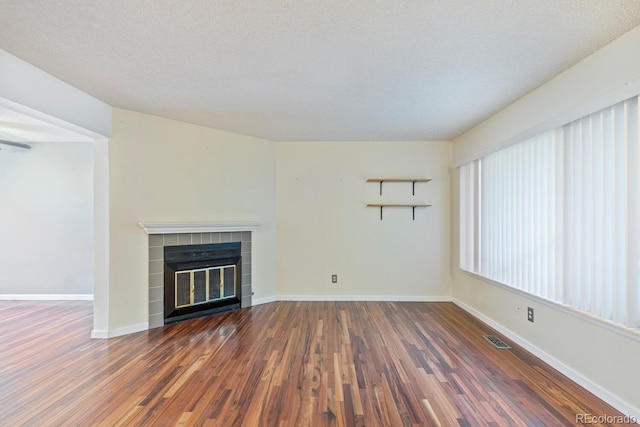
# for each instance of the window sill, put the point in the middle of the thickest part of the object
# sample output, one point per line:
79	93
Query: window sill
626	332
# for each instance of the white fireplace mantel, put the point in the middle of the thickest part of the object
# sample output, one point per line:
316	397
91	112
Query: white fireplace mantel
197	227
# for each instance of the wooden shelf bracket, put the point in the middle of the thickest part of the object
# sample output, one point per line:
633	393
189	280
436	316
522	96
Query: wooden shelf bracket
395	205
411	180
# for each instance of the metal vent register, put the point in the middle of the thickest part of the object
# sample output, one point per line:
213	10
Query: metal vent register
497	342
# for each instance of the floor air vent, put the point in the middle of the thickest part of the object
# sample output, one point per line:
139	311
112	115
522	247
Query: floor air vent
497	342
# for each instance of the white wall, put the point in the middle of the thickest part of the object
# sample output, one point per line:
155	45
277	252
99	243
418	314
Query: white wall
168	171
324	227
32	91
605	361
46	224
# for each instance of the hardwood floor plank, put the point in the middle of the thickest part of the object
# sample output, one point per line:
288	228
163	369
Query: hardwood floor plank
278	364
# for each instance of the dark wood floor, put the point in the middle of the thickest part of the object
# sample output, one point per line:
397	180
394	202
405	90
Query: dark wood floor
278	364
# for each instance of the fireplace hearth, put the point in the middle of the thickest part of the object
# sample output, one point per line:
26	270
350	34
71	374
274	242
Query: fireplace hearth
201	279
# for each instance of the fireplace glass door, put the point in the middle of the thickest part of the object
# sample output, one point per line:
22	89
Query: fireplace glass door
204	285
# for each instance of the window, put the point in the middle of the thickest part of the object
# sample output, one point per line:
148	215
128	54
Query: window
558	215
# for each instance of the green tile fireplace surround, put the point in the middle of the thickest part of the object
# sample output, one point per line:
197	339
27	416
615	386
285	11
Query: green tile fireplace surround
172	234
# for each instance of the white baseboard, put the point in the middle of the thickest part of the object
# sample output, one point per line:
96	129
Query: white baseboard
99	333
389	298
46	297
102	334
613	400
263	300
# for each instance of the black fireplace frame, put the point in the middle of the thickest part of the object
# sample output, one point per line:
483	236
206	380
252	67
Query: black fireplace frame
188	257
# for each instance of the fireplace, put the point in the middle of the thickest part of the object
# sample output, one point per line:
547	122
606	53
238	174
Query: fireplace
201	279
163	234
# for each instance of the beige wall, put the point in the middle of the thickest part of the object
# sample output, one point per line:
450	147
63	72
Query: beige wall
606	361
162	170
324	227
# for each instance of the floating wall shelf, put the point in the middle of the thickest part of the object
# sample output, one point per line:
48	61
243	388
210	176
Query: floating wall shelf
411	180
413	206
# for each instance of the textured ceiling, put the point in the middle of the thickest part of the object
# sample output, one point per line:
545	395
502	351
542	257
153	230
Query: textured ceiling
313	70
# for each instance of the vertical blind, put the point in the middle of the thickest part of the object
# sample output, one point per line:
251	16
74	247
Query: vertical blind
558	215
468	212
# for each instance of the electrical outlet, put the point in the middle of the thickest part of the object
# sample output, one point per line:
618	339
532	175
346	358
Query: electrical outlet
334	278
530	314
